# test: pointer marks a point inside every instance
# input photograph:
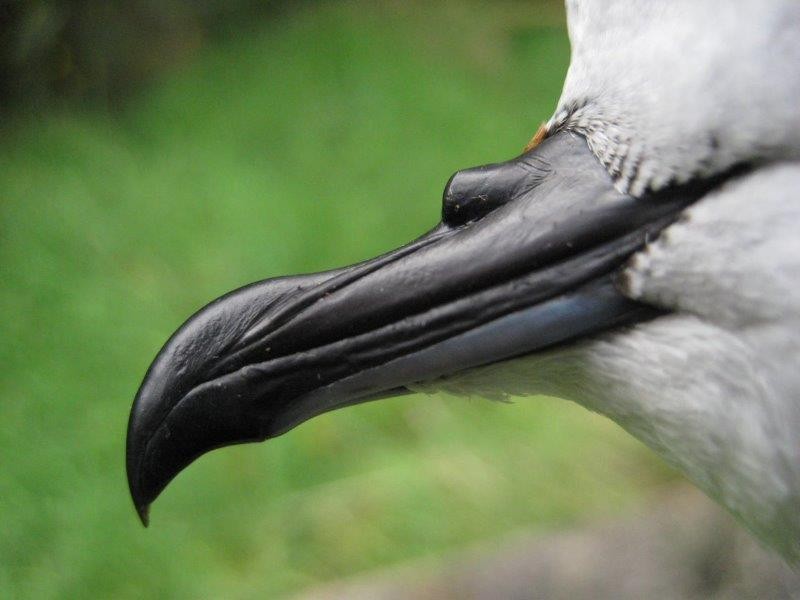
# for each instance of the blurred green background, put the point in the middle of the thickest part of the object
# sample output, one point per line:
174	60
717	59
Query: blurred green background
154	157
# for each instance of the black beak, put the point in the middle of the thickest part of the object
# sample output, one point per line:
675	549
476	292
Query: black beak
524	259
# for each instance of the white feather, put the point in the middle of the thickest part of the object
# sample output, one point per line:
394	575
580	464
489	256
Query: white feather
714	388
665	91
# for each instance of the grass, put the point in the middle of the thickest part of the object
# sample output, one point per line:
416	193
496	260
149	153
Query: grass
321	138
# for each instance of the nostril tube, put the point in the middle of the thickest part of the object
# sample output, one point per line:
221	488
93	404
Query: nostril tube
471	194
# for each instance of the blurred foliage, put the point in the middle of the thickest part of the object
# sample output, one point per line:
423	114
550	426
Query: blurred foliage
321	137
100	50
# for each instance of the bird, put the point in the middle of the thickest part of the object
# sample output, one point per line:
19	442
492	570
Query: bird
640	258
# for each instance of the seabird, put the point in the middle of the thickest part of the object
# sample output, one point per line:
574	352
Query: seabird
642	258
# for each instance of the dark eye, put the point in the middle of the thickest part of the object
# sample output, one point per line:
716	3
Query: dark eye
471	194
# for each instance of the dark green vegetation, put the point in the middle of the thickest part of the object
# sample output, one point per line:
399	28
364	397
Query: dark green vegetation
98	51
321	139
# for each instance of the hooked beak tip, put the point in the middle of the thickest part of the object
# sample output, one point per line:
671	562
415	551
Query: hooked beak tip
134	471
142	506
143	510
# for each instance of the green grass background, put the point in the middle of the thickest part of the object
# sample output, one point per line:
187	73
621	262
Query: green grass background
320	138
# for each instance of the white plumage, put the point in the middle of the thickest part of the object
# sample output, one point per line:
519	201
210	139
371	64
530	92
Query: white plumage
666	91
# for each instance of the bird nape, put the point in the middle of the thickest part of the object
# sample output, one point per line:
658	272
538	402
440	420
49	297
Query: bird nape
642	260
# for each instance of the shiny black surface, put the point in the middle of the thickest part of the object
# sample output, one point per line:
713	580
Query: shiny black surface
523	260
